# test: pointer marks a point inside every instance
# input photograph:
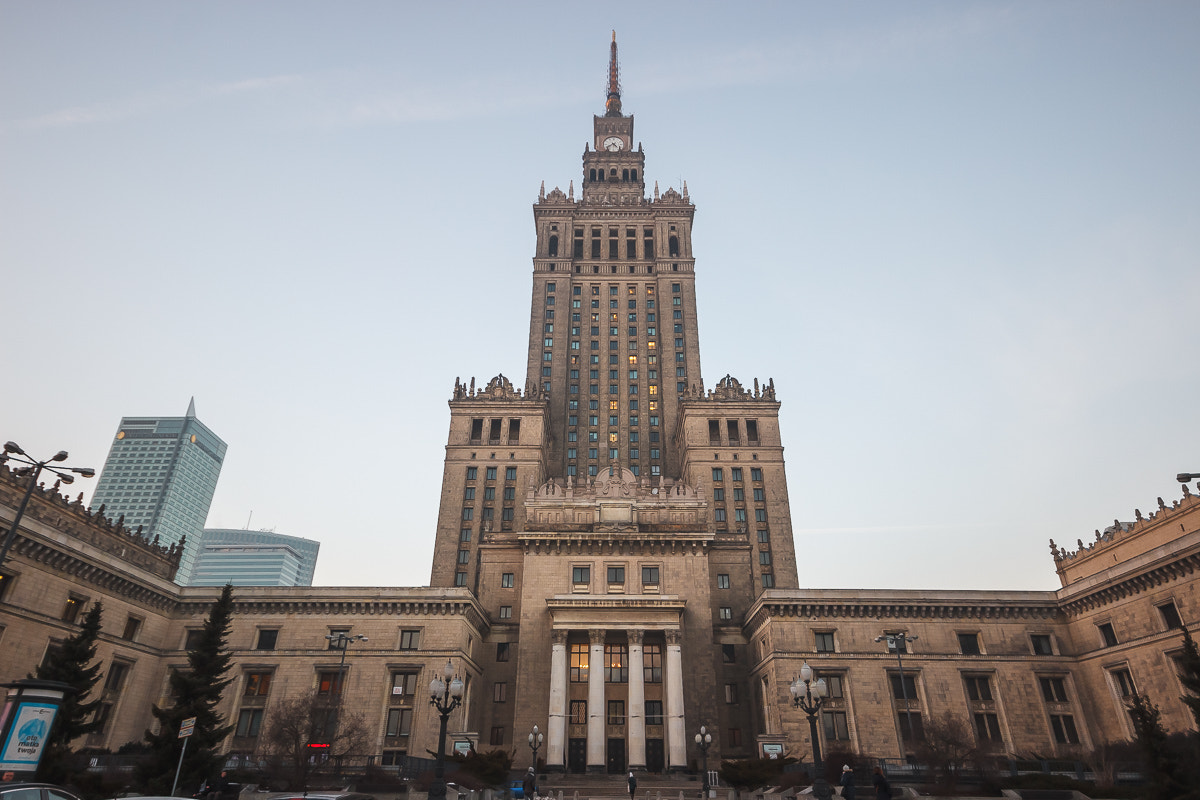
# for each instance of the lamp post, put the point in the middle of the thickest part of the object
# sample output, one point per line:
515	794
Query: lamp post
341	640
1187	477
704	739
899	643
535	742
13	452
445	696
808	696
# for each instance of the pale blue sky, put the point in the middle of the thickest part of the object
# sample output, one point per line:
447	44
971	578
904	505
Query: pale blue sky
962	238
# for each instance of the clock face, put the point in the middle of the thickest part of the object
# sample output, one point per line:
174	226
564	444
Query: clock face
613	144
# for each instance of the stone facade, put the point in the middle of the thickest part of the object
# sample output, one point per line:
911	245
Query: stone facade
613	562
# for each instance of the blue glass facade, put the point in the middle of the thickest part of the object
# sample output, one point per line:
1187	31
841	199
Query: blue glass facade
160	474
253	558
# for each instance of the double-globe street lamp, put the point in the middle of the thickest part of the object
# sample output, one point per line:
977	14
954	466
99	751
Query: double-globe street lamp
33	469
445	696
704	739
898	642
808	696
535	742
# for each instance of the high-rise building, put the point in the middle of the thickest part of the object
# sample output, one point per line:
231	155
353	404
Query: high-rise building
160	476
253	558
615	514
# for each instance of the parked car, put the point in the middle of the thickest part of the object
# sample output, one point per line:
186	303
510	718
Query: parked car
319	796
35	791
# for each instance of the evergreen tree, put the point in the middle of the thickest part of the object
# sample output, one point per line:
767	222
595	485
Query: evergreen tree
72	664
1162	763
195	692
1189	675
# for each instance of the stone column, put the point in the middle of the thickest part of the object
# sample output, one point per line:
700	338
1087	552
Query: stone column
596	740
676	738
556	725
637	703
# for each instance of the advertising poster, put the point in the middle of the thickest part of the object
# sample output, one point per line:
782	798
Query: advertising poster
22	749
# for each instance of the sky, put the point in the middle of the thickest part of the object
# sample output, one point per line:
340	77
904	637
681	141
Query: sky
962	238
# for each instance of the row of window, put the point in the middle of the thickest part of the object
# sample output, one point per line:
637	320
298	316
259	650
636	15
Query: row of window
1168	615
969	643
494	429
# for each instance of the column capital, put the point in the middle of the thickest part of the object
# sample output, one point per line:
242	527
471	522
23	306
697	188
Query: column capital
674	636
597	635
634	636
559	638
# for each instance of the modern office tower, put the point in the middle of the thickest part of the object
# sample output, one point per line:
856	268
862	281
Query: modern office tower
253	558
616	519
160	476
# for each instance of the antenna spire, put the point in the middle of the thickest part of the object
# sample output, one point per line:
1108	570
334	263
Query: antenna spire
612	105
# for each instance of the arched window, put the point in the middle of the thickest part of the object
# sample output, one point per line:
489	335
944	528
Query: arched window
554	245
673	245
633	174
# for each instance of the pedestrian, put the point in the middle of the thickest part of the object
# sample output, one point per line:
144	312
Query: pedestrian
529	785
883	789
847	782
632	786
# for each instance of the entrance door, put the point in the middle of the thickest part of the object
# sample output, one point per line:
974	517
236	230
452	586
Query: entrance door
577	755
616	756
654	755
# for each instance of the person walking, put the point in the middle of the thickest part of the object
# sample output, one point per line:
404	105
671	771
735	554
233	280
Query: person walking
883	789
529	785
847	782
632	786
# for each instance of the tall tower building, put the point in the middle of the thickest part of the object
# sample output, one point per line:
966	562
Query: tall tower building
253	558
616	518
160	475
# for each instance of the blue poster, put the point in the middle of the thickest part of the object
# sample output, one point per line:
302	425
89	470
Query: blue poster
27	736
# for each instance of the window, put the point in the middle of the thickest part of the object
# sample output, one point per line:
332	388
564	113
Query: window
5	582
833	685
731	693
616	663
897	642
824	641
1042	645
755	474
912	727
979	688
719	495
616	712
654	712
502	651
764	537
249	722
581	576
497	737
510	473
764	558
616	575
328	683
505	612
723	581
500	692
728	654
132	625
399	722
759	496
506	580
579	663
464	556
1107	634
649	576
579	712
267	639
1123	682
652	665
192	640
718	474
725	613
1063	726
1054	689
71	610
460	579
410	640
987	728
1170	616
836	729
491	471
768	581
907	688
968	644
404	685
258	684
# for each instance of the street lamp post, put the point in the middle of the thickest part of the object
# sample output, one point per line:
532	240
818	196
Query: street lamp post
808	696
899	643
445	696
13	452
341	640
535	742
704	739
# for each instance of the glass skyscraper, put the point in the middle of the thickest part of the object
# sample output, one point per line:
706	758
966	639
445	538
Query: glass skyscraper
161	474
253	558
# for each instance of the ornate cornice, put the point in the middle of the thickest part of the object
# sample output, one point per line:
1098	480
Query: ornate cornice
601	543
245	603
960	606
94	574
1144	581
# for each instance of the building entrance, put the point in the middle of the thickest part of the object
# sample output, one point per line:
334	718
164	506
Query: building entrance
654	755
577	755
616	756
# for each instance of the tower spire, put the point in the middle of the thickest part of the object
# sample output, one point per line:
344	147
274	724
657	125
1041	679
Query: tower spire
612	105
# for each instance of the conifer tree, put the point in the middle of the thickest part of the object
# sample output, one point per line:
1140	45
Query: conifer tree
1162	763
72	664
195	692
1189	675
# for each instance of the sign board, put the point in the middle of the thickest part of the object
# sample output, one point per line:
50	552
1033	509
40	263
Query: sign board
187	728
772	749
462	747
31	725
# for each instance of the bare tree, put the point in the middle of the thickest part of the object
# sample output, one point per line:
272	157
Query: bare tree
948	745
295	724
